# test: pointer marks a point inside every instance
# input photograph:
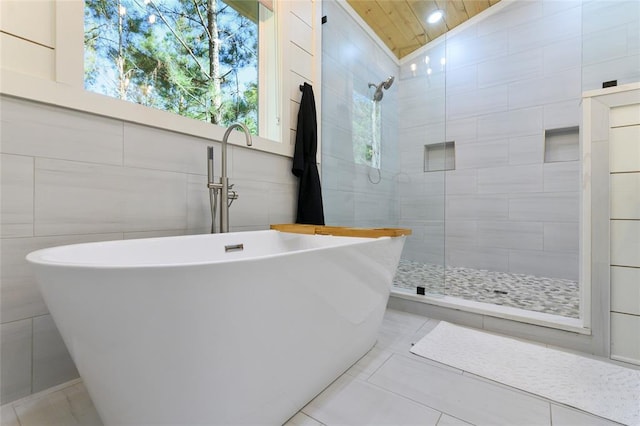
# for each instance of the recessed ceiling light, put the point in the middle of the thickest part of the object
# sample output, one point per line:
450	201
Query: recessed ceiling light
435	16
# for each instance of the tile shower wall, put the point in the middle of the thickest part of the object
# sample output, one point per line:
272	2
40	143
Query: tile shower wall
509	77
351	60
70	177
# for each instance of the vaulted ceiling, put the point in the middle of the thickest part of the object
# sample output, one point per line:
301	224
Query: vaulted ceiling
402	24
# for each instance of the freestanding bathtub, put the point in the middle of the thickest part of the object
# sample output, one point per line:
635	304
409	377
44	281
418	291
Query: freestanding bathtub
237	328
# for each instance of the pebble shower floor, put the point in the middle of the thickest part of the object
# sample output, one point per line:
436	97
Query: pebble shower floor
549	295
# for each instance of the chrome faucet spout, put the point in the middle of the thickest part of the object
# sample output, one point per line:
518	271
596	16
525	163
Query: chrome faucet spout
224	179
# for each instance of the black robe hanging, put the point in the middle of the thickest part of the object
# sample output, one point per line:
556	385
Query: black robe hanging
310	209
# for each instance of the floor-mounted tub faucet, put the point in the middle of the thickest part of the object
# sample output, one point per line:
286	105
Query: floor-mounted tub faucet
223	186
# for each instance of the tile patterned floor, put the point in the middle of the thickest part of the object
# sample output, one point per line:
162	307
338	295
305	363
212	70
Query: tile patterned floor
549	295
389	385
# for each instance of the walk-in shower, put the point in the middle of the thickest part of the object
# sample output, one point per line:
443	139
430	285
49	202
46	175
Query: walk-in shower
480	153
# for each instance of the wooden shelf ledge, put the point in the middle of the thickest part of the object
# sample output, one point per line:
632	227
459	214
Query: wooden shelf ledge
341	231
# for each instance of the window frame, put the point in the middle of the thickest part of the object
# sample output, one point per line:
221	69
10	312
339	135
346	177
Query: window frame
66	89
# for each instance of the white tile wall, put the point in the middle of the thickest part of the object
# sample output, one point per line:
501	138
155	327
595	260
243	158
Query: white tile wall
562	176
544	263
510	179
70	177
45	131
562	55
494	259
546	30
605	45
20	297
80	198
150	148
482	154
513	123
16	204
490	207
561	236
512	235
526	149
509	77
15	369
560	115
52	363
564	86
546	207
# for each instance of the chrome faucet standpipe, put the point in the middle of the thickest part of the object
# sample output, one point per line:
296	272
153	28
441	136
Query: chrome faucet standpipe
223	186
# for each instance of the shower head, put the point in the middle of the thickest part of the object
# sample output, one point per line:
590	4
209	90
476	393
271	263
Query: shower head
377	96
388	82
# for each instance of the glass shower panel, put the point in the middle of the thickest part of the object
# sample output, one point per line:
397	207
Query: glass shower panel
511	217
425	155
359	125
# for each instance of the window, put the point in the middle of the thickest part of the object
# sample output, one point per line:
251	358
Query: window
367	129
196	58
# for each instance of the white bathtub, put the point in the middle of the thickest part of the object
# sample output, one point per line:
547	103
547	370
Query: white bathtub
178	331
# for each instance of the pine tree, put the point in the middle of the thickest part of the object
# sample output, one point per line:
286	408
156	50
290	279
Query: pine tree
191	57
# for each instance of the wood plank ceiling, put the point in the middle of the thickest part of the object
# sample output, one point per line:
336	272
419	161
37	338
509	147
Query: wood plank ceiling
402	24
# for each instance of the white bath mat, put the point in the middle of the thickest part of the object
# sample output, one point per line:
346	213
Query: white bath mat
598	387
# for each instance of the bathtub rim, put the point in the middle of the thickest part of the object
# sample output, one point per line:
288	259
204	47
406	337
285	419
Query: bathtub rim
36	257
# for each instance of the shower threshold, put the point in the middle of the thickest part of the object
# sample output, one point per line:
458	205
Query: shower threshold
525	298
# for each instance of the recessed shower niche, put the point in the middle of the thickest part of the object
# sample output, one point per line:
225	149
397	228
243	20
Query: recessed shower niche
440	156
561	144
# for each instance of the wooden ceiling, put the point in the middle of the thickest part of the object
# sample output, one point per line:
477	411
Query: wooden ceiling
402	24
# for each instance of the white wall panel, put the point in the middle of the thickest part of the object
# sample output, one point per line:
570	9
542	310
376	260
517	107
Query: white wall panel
625	243
625	195
628	115
625	339
30	20
624	149
625	290
301	33
301	61
303	9
25	57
